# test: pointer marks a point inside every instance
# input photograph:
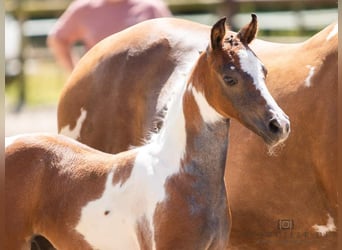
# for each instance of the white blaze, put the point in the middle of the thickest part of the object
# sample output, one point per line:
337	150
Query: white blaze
252	65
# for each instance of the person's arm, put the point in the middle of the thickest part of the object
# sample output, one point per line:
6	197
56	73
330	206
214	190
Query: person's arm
62	51
65	33
161	10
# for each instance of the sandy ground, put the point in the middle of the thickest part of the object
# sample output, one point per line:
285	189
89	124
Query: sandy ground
31	120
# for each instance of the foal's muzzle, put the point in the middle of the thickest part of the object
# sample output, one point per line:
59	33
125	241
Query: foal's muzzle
279	129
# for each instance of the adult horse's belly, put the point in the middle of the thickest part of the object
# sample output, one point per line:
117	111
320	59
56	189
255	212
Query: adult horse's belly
112	97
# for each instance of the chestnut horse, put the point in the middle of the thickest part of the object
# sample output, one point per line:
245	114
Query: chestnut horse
167	194
111	99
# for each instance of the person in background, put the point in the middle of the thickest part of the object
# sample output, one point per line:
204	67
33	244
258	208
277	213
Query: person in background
89	21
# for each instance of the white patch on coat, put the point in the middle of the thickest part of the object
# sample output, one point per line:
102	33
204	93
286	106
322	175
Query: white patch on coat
307	82
114	230
322	230
333	32
170	142
137	197
208	113
232	67
76	132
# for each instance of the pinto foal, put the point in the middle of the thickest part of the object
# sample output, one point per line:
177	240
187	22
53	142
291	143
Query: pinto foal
167	194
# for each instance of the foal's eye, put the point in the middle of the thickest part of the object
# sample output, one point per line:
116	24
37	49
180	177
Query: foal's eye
229	80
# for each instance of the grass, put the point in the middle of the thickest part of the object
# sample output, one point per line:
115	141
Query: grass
44	81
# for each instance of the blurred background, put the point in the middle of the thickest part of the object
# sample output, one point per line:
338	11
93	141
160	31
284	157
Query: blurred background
33	79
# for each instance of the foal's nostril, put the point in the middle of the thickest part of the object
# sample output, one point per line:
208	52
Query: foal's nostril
274	126
287	128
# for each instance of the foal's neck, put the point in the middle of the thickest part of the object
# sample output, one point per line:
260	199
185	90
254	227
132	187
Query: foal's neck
207	138
194	137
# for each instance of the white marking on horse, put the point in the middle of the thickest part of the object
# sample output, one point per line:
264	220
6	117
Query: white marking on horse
138	197
76	132
101	230
333	32
307	82
172	137
252	65
322	230
232	67
208	113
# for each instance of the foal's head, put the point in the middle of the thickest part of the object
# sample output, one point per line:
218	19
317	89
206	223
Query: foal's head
234	83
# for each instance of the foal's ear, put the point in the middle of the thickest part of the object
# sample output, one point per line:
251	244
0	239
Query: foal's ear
217	34
248	33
